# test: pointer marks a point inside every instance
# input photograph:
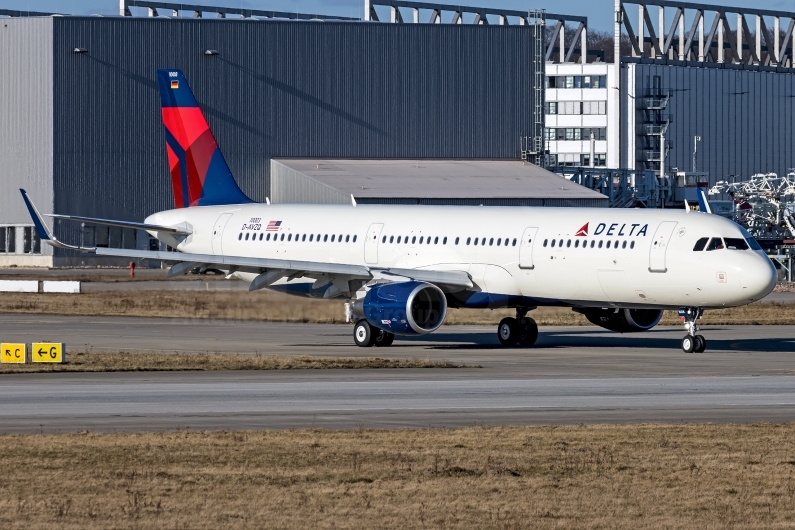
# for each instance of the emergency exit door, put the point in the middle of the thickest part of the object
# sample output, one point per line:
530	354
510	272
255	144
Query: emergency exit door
371	243
526	248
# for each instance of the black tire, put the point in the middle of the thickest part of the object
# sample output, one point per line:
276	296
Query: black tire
528	332
688	344
363	334
508	331
700	344
384	338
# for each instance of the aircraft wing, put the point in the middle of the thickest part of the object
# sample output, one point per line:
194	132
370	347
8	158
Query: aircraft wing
269	270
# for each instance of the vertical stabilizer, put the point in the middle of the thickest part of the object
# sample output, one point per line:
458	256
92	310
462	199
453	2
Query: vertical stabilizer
199	173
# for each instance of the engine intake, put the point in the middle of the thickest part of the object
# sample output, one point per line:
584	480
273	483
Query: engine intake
623	320
403	308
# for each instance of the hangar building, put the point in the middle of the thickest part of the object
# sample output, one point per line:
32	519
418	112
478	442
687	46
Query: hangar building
80	124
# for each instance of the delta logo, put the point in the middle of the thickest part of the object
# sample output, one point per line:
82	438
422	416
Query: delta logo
614	230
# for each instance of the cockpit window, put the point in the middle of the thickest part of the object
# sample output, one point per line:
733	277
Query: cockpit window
736	243
700	244
715	243
753	243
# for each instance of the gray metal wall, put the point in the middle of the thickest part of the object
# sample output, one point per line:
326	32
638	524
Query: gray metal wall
278	89
26	110
744	117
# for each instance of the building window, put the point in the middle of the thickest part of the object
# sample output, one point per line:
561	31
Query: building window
576	81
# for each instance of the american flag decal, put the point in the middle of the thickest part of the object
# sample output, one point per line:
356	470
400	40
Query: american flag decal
273	226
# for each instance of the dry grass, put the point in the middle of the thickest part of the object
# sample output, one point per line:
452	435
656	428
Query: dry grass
147	362
270	306
646	476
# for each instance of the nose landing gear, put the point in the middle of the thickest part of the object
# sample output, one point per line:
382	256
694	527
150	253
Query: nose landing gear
692	342
521	330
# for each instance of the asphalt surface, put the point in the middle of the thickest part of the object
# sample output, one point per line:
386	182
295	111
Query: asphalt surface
574	375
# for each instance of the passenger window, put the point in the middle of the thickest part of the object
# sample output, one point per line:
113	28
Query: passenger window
482	241
392	239
576	243
553	243
261	236
568	243
311	236
247	236
632	245
420	240
700	244
332	238
468	240
736	243
436	240
240	236
290	237
600	244
413	239
456	240
383	239
398	239
715	243
348	238
545	242
499	241
624	245
339	239
268	237
428	241
476	242
491	242
514	242
608	243
281	238
560	243
325	238
318	238
444	241
592	243
354	238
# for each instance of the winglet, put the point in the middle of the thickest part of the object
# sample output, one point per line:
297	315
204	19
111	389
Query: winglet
41	227
703	203
353	200
38	222
687	206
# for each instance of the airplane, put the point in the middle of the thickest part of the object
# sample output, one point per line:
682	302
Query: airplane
399	268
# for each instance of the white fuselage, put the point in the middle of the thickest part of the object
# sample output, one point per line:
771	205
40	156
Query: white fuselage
625	258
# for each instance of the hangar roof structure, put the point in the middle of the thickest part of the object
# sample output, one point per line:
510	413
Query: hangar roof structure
423	181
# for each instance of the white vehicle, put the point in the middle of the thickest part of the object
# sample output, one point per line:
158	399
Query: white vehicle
400	268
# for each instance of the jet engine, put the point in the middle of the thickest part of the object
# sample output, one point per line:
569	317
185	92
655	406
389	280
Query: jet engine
403	308
623	320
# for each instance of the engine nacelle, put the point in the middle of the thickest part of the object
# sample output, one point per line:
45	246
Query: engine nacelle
403	308
623	320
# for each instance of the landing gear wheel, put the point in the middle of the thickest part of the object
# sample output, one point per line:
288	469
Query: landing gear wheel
383	338
363	334
688	344
508	331
528	331
700	344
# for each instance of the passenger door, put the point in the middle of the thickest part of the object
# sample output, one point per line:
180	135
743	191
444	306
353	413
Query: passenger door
371	243
659	245
218	232
526	248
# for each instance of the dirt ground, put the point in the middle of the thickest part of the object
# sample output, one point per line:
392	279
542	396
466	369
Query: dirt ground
278	307
617	477
157	362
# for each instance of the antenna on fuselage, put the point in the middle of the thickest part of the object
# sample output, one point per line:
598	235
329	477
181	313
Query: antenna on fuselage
267	200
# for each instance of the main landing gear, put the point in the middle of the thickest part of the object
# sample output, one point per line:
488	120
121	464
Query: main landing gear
692	342
521	330
365	335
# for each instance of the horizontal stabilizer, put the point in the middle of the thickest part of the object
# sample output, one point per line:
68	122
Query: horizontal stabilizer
180	230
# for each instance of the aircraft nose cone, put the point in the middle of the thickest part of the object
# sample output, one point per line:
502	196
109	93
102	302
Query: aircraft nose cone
758	277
